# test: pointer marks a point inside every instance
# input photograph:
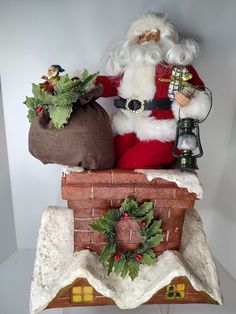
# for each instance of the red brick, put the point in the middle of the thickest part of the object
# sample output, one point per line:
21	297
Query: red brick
89	177
83	224
124	230
127	246
160	213
175	203
111	192
79	192
151	192
136	237
115	203
123	237
99	237
83	236
172	224
175	236
171	245
88	204
99	212
120	176
177	212
83	213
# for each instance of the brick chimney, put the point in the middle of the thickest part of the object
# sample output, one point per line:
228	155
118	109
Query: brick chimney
92	193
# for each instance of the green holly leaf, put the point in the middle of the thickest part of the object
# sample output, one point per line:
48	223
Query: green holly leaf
133	267
149	217
125	270
112	215
88	81
149	258
154	241
31	115
108	251
119	265
110	266
129	205
102	225
60	115
154	229
30	102
144	208
62	83
84	74
65	99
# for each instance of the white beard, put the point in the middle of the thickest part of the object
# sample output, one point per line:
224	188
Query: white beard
138	82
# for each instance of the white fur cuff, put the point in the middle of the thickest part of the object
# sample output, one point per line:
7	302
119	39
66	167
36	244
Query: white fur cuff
197	109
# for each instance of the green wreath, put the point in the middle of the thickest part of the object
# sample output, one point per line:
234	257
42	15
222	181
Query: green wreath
124	262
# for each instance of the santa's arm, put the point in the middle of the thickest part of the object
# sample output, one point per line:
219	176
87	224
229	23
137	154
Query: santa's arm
199	104
110	85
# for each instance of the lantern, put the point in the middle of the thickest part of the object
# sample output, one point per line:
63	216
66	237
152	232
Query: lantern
188	146
187	141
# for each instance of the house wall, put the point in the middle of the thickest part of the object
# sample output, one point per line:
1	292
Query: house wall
7	227
76	34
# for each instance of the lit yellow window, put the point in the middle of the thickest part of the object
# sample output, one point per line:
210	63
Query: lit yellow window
77	290
180	287
82	294
88	290
175	292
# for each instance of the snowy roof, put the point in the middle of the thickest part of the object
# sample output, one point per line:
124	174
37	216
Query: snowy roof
57	266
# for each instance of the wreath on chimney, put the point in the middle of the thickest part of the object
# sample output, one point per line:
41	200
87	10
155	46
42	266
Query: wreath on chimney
124	262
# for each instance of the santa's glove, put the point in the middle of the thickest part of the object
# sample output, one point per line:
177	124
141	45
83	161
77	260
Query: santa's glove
93	94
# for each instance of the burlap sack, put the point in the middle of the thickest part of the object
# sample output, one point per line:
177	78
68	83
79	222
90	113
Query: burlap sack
85	141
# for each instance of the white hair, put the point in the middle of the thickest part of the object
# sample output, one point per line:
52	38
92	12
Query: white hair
168	48
182	53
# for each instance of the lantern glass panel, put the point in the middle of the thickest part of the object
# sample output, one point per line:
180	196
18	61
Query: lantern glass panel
187	141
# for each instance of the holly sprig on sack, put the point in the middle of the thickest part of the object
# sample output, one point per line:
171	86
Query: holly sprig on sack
55	99
124	262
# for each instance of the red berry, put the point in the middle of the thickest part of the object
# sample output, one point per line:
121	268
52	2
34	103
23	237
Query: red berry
143	223
138	257
122	217
117	257
42	112
126	214
38	109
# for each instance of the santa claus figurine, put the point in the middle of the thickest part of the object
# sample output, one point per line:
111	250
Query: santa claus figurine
151	73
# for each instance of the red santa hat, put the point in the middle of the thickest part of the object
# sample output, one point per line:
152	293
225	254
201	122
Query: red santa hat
152	21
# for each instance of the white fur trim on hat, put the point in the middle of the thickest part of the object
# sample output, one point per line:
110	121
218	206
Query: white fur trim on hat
197	109
145	127
150	21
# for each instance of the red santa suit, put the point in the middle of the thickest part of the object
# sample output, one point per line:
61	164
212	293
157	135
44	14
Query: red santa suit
145	139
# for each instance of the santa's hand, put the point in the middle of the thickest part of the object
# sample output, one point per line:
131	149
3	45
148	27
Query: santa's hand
182	99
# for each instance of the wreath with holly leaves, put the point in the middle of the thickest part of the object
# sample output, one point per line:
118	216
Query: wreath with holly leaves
124	262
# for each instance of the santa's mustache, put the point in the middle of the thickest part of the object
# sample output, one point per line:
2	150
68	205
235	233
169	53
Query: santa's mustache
126	53
150	53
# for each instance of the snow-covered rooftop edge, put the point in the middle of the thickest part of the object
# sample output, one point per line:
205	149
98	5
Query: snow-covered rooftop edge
56	266
182	179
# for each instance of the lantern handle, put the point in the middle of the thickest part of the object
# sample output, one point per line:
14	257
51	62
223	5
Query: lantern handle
211	102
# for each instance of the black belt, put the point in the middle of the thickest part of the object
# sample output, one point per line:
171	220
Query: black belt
137	106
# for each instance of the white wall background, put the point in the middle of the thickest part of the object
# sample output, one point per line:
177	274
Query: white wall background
76	34
7	228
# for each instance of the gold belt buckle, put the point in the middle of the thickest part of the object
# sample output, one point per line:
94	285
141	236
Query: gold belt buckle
142	105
